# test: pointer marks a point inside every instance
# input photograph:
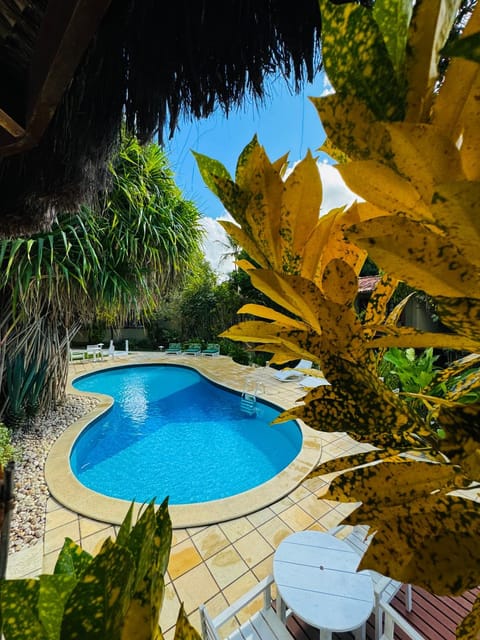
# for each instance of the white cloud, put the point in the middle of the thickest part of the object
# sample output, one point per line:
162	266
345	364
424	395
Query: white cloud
215	245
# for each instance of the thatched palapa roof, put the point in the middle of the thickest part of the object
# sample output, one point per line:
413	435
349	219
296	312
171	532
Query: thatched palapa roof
72	70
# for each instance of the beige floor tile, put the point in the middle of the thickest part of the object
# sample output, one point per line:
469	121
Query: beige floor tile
59	517
259	517
235	529
194	587
93	543
55	538
26	563
280	506
52	504
183	557
274	531
316	507
253	548
226	566
298	494
297	518
210	541
179	535
170	608
239	588
89	527
264	568
331	519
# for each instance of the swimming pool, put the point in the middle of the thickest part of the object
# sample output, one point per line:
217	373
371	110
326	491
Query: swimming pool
172	432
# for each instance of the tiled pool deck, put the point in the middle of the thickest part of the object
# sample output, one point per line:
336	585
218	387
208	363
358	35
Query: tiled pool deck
213	563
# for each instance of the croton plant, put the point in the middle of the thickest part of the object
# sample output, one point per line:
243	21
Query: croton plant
407	142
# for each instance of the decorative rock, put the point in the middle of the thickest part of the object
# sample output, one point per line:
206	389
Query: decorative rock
31	492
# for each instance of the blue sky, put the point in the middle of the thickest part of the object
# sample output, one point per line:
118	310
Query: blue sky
286	122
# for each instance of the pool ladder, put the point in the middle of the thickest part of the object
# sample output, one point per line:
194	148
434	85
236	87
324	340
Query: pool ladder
248	403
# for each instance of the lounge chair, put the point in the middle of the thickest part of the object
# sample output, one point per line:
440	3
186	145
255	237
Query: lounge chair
287	375
94	350
310	382
264	624
174	347
193	349
212	349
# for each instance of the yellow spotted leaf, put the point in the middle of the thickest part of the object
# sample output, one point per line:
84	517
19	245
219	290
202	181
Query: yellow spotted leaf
456	368
245	241
331	150
376	309
253	331
350	462
428	33
454	208
339	282
382	186
409	337
469	627
270	314
460	314
424	155
411	252
300	211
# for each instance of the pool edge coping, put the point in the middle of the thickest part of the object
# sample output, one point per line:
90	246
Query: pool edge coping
67	490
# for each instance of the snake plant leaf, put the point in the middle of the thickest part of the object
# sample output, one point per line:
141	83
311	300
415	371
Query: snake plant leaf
429	29
125	528
356	59
72	559
350	462
460	314
183	628
163	537
53	594
97	605
270	314
424	155
339	282
469	627
414	254
18	601
348	123
384	187
467	47
435	541
300	210
454	206
393	19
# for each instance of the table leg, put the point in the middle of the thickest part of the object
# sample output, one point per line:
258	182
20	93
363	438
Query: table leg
325	634
361	633
281	608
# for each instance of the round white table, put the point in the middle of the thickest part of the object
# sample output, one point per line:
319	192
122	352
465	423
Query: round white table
316	579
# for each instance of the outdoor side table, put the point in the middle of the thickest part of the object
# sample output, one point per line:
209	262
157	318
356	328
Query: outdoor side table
316	579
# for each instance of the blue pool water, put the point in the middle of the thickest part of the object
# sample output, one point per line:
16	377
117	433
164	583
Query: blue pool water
173	433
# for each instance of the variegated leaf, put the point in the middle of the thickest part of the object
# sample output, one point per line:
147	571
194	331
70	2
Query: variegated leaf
183	628
467	47
460	314
393	19
245	241
350	462
356	59
378	304
270	314
429	29
410	252
461	441
454	207
339	282
469	627
300	211
409	337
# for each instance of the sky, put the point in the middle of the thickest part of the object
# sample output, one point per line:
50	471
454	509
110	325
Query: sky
286	122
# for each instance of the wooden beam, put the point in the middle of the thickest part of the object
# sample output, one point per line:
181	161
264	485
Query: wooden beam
67	30
8	124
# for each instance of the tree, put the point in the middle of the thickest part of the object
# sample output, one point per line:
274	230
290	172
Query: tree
410	149
92	266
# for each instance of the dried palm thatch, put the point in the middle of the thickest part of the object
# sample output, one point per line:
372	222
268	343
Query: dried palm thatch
148	63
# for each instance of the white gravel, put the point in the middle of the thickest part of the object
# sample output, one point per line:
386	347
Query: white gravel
31	492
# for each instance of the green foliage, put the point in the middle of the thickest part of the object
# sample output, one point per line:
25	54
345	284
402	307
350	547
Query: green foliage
115	595
413	371
7	450
24	384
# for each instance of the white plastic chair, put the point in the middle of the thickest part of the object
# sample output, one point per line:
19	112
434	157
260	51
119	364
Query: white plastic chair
385	588
263	625
394	620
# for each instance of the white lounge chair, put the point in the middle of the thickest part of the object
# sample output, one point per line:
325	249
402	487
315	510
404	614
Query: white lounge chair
263	625
287	375
385	588
310	382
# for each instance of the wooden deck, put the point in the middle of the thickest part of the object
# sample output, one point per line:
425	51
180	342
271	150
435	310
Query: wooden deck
435	618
